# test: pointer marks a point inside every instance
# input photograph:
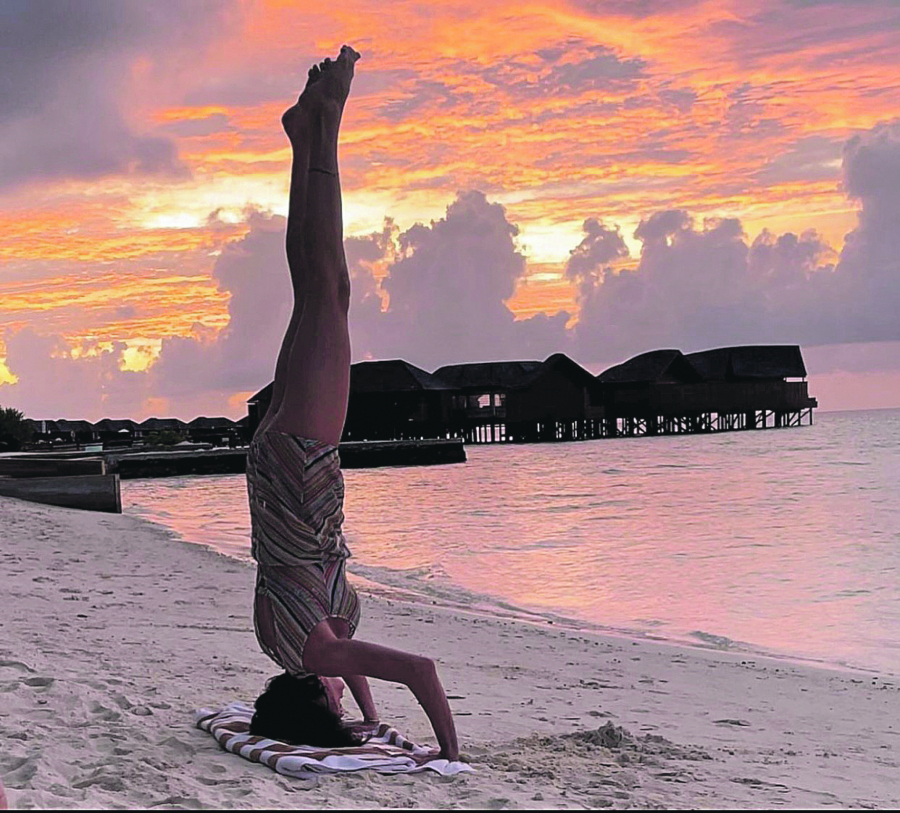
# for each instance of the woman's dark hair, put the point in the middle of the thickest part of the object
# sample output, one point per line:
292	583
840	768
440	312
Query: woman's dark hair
295	710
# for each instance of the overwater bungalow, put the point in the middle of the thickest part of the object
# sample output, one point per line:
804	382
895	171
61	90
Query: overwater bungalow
161	425
518	401
389	400
395	400
666	391
116	432
61	433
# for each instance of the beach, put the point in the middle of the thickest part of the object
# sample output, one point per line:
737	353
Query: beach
114	632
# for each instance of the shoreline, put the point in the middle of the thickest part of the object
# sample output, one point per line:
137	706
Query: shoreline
459	598
116	631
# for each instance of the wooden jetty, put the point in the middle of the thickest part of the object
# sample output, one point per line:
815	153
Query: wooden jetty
371	454
129	465
234	461
178	463
71	483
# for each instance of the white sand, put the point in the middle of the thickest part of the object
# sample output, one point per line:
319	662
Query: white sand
112	632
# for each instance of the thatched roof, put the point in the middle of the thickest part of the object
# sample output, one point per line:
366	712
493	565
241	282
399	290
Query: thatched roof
395	375
35	424
265	394
115	425
490	375
749	361
73	426
561	362
159	424
650	367
211	423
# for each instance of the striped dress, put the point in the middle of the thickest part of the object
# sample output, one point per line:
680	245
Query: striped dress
296	493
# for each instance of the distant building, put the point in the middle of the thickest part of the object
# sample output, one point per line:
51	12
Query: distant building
257	406
659	392
161	425
395	400
666	391
115	433
518	400
61	432
218	431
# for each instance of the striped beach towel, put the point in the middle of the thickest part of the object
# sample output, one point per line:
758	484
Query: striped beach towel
387	752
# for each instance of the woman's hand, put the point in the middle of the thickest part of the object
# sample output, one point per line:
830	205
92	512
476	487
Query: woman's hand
367	728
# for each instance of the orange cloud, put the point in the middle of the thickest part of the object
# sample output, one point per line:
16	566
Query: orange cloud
561	110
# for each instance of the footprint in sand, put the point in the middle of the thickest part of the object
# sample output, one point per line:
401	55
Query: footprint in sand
101	711
17	665
17	771
175	746
39	682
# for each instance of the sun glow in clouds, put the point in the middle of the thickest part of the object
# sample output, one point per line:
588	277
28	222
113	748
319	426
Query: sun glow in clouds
115	224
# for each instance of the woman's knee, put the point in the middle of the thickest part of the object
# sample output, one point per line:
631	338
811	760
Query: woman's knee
322	650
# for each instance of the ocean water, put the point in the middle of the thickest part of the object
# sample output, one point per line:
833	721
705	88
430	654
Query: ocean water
781	541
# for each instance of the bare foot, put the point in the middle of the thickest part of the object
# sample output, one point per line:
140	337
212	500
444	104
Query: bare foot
323	98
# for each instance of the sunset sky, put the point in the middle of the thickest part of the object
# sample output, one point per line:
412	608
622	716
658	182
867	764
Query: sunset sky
594	177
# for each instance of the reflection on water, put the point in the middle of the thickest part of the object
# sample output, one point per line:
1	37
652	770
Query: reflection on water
783	540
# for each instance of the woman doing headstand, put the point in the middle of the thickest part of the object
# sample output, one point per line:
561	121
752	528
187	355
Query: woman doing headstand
305	611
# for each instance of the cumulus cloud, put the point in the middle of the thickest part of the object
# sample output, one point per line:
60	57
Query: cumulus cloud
447	288
64	72
192	374
690	284
55	384
869	268
241	357
600	246
700	286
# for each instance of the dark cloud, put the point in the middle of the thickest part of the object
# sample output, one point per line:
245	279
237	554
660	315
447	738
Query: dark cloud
64	74
603	68
808	159
682	99
573	66
634	8
588	261
748	115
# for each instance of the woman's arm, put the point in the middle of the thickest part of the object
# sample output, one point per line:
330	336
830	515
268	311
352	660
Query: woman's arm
362	694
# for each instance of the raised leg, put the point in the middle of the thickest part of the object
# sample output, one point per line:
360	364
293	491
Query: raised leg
296	124
312	378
